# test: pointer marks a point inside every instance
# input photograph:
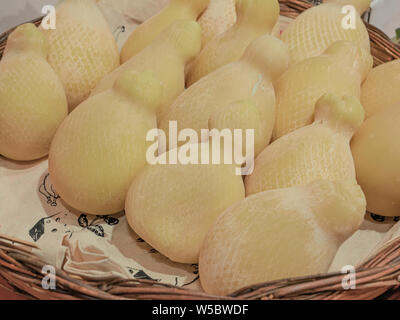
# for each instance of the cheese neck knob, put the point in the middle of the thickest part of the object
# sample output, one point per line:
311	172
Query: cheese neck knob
27	38
143	88
344	115
360	5
358	60
260	13
269	55
195	6
339	206
185	37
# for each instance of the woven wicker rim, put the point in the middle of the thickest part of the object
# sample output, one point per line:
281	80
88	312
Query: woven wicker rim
22	269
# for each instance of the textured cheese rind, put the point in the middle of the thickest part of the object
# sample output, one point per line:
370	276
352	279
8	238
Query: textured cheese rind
172	206
340	70
166	57
32	98
248	79
313	31
305	155
218	18
144	34
360	5
319	151
279	234
82	48
101	145
254	18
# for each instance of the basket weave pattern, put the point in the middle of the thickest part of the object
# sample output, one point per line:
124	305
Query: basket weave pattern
22	269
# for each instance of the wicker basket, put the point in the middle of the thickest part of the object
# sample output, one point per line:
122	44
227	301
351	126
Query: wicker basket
379	276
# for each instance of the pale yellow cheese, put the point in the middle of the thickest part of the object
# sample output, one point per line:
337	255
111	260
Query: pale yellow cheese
172	206
319	151
166	57
143	35
314	30
279	234
217	18
340	70
82	48
249	79
376	152
32	98
381	88
254	18
101	146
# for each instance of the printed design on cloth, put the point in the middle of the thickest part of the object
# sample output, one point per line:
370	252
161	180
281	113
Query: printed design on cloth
97	229
378	218
46	189
50	196
66	221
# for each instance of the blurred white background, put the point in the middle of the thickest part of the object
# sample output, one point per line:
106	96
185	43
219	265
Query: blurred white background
386	15
15	12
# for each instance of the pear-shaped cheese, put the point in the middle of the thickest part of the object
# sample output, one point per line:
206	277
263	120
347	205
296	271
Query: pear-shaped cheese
82	48
376	153
279	234
218	18
101	145
313	31
254	18
32	98
340	70
381	88
247	79
319	151
166	57
172	206
143	35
